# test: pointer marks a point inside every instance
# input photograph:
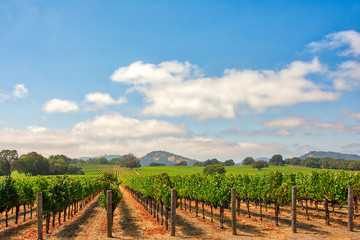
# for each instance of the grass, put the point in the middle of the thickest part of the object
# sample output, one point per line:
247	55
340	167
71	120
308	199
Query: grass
186	170
98	169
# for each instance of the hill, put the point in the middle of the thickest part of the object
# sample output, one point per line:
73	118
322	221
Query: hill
108	157
334	155
164	157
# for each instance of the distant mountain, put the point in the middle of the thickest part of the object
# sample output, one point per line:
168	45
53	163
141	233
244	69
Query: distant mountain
108	157
263	159
334	155
164	157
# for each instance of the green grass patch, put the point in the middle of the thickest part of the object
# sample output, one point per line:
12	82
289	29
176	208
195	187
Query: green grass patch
187	170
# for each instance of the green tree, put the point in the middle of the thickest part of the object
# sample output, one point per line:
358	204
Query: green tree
248	161
277	160
129	161
198	164
229	162
57	166
114	161
313	163
156	164
61	157
260	164
32	164
213	161
7	157
211	169
182	163
101	160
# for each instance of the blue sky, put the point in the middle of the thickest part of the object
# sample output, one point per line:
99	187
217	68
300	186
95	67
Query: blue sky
204	79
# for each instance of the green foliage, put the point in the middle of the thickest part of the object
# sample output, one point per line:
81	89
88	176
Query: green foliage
277	160
182	163
7	157
248	161
32	164
229	162
110	182
8	194
269	188
156	164
260	164
101	160
212	169
213	161
198	164
129	161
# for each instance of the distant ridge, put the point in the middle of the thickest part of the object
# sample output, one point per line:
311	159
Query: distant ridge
108	157
334	155
164	157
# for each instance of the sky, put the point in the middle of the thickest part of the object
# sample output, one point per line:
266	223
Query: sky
202	79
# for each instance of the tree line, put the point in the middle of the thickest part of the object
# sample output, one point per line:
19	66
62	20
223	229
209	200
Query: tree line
323	163
32	164
214	161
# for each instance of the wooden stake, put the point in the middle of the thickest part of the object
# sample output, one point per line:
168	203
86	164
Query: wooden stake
39	216
351	208
293	210
109	213
173	211
233	210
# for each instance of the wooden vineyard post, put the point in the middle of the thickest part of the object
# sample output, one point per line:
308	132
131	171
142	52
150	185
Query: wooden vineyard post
293	209
39	216
350	208
173	211
233	210
109	213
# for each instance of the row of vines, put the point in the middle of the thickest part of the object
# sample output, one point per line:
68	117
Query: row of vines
274	188
60	194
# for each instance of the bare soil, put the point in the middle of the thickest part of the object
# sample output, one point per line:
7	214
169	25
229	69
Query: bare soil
131	221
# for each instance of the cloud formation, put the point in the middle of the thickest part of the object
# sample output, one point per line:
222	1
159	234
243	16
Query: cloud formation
101	100
20	91
170	88
61	106
348	39
117	126
347	76
315	125
115	134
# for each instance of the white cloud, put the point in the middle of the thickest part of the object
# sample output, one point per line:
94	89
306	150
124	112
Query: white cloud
290	122
355	115
118	126
335	127
101	100
315	125
283	132
59	105
115	134
171	93
347	76
4	97
350	39
139	73
20	91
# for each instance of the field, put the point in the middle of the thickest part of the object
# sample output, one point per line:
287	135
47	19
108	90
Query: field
187	170
96	169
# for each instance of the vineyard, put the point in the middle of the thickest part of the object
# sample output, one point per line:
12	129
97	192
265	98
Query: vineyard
274	188
203	200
